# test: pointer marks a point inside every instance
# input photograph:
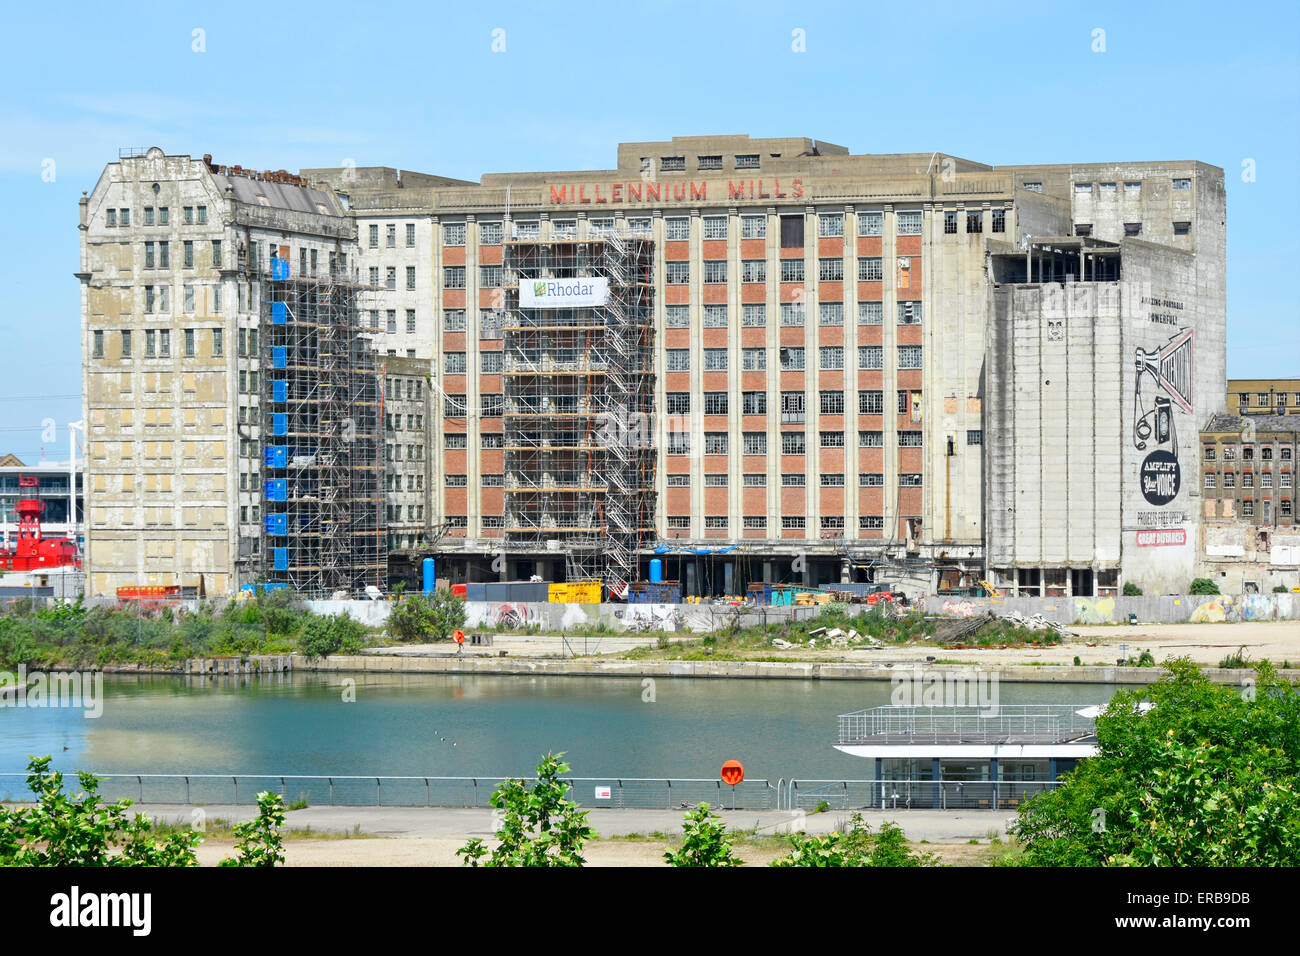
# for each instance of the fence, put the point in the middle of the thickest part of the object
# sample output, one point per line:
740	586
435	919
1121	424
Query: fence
404	791
623	792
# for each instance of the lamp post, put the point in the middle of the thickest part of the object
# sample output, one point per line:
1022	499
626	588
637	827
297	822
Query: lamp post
73	428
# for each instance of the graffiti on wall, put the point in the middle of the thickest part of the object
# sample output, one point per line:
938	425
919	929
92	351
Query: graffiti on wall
1094	610
960	608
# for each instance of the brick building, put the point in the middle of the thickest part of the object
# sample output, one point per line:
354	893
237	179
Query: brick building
1251	535
822	358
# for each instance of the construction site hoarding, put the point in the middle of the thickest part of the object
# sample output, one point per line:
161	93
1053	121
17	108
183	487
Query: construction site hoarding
581	592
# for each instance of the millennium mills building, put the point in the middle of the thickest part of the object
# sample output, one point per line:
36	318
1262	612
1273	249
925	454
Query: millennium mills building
758	359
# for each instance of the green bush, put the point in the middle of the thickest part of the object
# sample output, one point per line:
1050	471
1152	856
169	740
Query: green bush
322	636
258	841
82	830
1131	589
855	847
1279	589
1203	586
538	825
1209	776
705	843
418	616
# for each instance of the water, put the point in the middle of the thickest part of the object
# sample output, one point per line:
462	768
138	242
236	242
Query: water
462	725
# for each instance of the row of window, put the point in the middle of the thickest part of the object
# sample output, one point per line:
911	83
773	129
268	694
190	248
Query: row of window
678	228
1131	189
157	343
157	255
393	388
393	422
674	522
974	221
1247	479
1266	399
792	443
390	235
160	216
1248	453
677	164
792	358
158	299
830	402
390	323
414	482
491	405
390	277
413	452
413	512
788	522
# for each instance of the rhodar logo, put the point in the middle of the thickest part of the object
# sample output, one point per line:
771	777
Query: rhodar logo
539	288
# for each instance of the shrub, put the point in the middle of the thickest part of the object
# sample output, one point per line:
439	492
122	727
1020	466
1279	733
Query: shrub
539	826
1279	589
258	841
1131	589
1236	661
706	842
1209	776
1203	586
322	636
418	616
855	847
82	830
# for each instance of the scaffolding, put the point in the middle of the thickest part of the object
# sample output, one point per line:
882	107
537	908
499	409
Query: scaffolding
323	499
579	396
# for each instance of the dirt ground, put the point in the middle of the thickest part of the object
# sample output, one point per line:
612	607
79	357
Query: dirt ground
1096	644
441	851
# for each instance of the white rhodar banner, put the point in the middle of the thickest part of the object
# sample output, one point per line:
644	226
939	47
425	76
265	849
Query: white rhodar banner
578	293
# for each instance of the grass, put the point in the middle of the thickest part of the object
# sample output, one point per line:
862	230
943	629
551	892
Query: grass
219	829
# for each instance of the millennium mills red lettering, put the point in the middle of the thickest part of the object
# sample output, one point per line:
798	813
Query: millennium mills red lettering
575	194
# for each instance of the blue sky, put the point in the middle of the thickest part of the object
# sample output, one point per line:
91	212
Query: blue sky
418	86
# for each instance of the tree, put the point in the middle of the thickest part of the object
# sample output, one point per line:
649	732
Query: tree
417	616
1131	589
1203	586
706	842
538	825
1210	776
259	841
855	847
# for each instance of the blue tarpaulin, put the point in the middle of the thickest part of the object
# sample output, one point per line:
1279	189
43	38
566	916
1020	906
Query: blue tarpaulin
664	549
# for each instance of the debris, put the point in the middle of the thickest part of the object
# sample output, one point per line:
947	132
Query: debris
777	642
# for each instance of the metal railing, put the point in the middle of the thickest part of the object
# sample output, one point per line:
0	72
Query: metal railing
668	793
1040	722
406	791
797	794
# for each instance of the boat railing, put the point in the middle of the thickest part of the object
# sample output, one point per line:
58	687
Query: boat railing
975	724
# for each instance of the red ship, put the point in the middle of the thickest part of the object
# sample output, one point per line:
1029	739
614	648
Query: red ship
31	552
